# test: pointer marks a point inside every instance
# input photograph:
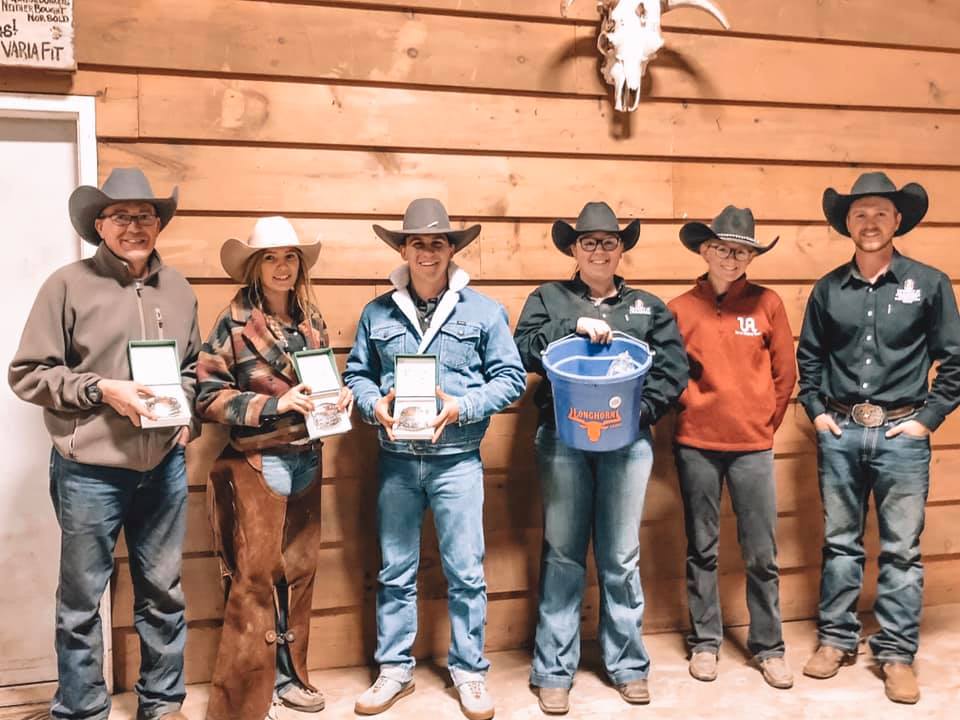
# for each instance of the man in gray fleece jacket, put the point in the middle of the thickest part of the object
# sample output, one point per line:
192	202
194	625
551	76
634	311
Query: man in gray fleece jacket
106	472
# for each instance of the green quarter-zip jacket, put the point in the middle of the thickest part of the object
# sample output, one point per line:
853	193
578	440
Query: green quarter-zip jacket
552	310
77	334
864	342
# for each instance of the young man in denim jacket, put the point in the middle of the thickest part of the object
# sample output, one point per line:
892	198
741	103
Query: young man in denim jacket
432	311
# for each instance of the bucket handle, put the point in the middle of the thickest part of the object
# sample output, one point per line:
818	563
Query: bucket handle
616	333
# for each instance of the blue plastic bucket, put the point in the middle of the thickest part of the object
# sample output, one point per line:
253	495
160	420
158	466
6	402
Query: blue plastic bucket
595	412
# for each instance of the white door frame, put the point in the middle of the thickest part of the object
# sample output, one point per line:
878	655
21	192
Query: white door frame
82	111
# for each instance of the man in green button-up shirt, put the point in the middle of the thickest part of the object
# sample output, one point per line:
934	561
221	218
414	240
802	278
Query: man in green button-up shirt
873	328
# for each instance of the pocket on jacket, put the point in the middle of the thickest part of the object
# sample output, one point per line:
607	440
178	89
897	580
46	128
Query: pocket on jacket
459	344
388	340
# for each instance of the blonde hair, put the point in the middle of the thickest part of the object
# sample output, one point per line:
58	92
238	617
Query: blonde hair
303	298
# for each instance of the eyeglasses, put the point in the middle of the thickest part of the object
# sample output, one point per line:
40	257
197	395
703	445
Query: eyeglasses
724	252
123	219
589	244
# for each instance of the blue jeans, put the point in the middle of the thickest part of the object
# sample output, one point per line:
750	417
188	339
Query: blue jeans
452	487
92	504
750	482
897	472
287	474
600	493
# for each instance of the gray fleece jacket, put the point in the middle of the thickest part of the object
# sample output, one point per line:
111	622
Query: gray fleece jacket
77	334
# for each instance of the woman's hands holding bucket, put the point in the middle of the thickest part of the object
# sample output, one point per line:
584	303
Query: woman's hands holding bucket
595	329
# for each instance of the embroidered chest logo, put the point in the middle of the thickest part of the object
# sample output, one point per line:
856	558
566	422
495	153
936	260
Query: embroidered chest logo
747	327
638	308
908	293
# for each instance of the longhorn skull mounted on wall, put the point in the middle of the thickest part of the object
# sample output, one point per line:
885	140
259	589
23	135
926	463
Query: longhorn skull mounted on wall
630	38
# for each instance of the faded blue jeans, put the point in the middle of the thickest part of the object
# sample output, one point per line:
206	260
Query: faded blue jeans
598	494
750	482
287	474
897	471
452	487
92	503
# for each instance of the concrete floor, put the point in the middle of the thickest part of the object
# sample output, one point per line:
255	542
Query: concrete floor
738	692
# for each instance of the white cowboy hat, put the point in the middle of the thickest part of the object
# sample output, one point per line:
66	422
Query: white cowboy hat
269	232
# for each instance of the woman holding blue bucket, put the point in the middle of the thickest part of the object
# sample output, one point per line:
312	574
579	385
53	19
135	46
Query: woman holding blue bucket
595	493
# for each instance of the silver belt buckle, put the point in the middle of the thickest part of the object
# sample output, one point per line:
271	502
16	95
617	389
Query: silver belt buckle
868	415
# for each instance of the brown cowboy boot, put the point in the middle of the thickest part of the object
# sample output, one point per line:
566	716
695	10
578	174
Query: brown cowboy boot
826	662
900	683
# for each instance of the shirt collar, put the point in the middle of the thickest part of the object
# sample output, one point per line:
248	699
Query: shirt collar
896	270
583	290
705	289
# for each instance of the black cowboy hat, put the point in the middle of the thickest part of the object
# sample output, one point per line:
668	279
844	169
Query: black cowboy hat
911	201
734	225
427	216
123	185
595	217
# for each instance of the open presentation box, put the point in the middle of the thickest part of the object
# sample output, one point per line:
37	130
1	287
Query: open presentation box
156	364
415	403
318	370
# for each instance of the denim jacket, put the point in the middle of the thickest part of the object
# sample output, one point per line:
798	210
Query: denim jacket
476	358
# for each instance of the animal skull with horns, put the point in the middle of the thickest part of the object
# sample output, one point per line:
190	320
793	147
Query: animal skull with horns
630	38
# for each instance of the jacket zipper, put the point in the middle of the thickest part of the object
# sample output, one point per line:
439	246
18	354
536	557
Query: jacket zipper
138	286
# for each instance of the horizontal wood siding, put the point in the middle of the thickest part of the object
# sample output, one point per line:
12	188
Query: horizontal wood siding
338	114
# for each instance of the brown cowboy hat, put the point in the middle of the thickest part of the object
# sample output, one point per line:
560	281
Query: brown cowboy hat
123	185
427	216
268	232
911	201
594	217
733	224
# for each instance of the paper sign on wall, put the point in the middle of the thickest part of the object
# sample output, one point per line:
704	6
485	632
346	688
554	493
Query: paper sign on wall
37	34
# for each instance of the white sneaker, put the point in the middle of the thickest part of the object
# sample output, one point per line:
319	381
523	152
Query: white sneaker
475	701
382	695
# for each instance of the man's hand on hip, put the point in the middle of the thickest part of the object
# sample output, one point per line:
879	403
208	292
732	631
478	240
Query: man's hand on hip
825	421
913	428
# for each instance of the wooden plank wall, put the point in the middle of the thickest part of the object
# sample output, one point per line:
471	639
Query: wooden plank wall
338	113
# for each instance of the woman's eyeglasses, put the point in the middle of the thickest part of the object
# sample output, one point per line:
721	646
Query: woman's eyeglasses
589	244
724	252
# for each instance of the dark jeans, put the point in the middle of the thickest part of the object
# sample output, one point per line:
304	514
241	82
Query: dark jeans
897	471
92	504
749	478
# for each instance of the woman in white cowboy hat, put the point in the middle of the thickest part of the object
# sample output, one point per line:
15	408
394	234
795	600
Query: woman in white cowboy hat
265	487
590	493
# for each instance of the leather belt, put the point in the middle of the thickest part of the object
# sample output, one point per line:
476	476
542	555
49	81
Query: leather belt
312	446
870	415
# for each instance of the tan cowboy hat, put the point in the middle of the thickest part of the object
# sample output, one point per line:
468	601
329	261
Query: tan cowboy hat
123	185
427	216
269	232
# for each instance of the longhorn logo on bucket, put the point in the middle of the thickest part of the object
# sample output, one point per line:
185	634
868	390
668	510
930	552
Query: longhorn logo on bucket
595	421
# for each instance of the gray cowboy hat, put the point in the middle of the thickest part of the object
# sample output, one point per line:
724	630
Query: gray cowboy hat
427	216
733	225
123	185
911	201
594	217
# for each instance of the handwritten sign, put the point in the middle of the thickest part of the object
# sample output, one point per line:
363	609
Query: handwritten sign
37	34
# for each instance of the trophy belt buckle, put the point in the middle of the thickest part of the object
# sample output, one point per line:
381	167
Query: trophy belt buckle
868	415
